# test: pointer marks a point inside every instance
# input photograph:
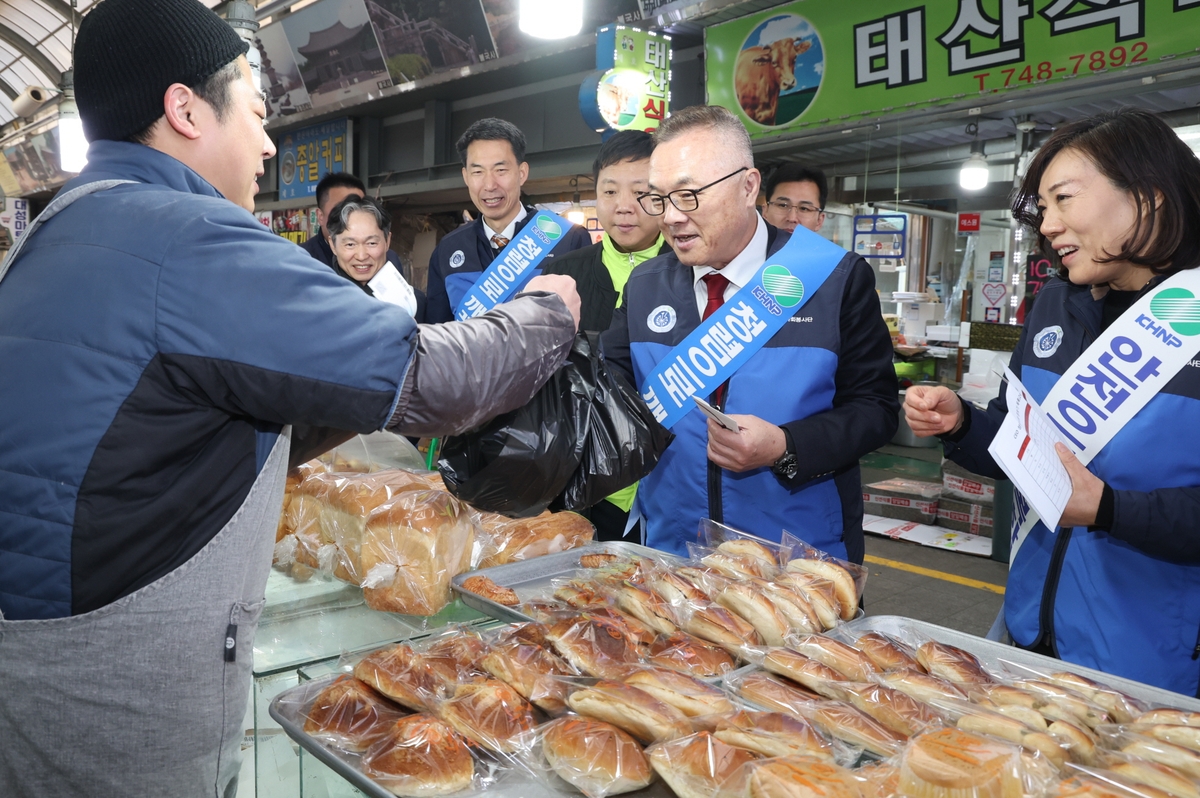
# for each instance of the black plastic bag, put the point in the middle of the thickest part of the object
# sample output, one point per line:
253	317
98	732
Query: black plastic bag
624	442
583	436
519	462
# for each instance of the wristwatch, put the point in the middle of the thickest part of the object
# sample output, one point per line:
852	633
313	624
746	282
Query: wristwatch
787	466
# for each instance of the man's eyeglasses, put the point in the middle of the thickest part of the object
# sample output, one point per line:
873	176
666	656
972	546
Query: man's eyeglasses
786	207
684	199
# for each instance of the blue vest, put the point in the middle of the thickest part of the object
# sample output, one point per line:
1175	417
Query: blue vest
790	378
465	252
1097	600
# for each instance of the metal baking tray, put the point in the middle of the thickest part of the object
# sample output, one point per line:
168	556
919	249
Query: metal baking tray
287	709
993	654
531	579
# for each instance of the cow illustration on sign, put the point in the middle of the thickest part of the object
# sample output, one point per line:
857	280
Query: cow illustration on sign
779	70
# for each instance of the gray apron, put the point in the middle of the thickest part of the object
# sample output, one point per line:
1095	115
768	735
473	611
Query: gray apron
145	696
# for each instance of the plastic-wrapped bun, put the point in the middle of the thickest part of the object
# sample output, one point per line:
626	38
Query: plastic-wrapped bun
631	709
595	757
793	777
530	670
688	694
694	767
772	692
684	652
489	713
887	654
844	585
952	663
878	780
1103	785
517	539
421	756
773	734
1157	776
399	674
595	646
350	715
949	763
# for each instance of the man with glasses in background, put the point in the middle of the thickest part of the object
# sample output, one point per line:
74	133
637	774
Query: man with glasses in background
820	393
796	196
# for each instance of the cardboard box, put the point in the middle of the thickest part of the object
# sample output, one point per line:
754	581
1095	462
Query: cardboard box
959	483
963	516
905	499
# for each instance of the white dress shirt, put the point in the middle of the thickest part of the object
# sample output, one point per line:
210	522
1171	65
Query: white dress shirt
738	272
508	232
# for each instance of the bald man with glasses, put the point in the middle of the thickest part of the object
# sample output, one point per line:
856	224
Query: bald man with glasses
820	393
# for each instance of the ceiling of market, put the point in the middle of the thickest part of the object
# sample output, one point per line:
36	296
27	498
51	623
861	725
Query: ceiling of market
35	45
35	48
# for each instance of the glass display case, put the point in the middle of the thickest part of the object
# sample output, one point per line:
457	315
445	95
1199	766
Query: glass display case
310	625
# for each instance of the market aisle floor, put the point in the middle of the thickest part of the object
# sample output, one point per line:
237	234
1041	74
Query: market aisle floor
962	592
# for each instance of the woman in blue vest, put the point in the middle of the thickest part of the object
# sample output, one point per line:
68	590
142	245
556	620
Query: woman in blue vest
1116	586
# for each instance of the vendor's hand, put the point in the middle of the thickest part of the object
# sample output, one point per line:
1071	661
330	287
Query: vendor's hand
1086	490
562	285
758	443
932	410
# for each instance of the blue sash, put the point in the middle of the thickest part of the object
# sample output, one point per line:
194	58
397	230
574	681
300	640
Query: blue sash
729	337
514	265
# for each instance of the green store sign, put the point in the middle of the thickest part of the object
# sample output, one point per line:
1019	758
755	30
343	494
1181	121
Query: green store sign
807	64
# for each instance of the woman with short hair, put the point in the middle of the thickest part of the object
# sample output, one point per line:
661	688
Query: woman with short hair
1115	200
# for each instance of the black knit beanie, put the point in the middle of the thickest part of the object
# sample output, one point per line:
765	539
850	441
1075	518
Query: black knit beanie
129	51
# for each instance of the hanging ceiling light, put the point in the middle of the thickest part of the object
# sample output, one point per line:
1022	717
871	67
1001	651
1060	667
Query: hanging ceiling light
576	214
551	19
72	144
974	173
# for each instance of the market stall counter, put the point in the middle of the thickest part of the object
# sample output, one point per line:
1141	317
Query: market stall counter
366	546
717	676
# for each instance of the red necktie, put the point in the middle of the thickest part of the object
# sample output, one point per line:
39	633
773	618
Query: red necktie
499	241
717	283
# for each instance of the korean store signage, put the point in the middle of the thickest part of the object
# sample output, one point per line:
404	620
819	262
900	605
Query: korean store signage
631	87
806	65
968	222
308	154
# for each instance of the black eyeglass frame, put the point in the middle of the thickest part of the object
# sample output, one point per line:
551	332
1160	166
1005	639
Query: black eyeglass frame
803	210
660	199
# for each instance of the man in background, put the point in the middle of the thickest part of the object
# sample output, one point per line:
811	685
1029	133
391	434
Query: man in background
796	195
631	237
331	191
492	152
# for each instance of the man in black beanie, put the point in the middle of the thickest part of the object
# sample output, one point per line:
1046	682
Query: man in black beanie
161	353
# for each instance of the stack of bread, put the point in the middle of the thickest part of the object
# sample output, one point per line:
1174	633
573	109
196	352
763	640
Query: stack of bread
736	596
577	697
401	536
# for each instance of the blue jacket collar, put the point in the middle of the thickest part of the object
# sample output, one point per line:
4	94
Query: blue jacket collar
122	160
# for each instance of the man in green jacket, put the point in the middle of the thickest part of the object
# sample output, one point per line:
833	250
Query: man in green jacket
621	173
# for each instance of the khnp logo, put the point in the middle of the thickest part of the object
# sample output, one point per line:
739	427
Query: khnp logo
783	285
1046	342
662	319
550	227
1179	308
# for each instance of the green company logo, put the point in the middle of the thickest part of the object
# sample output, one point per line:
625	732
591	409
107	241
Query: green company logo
783	285
1178	307
550	227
